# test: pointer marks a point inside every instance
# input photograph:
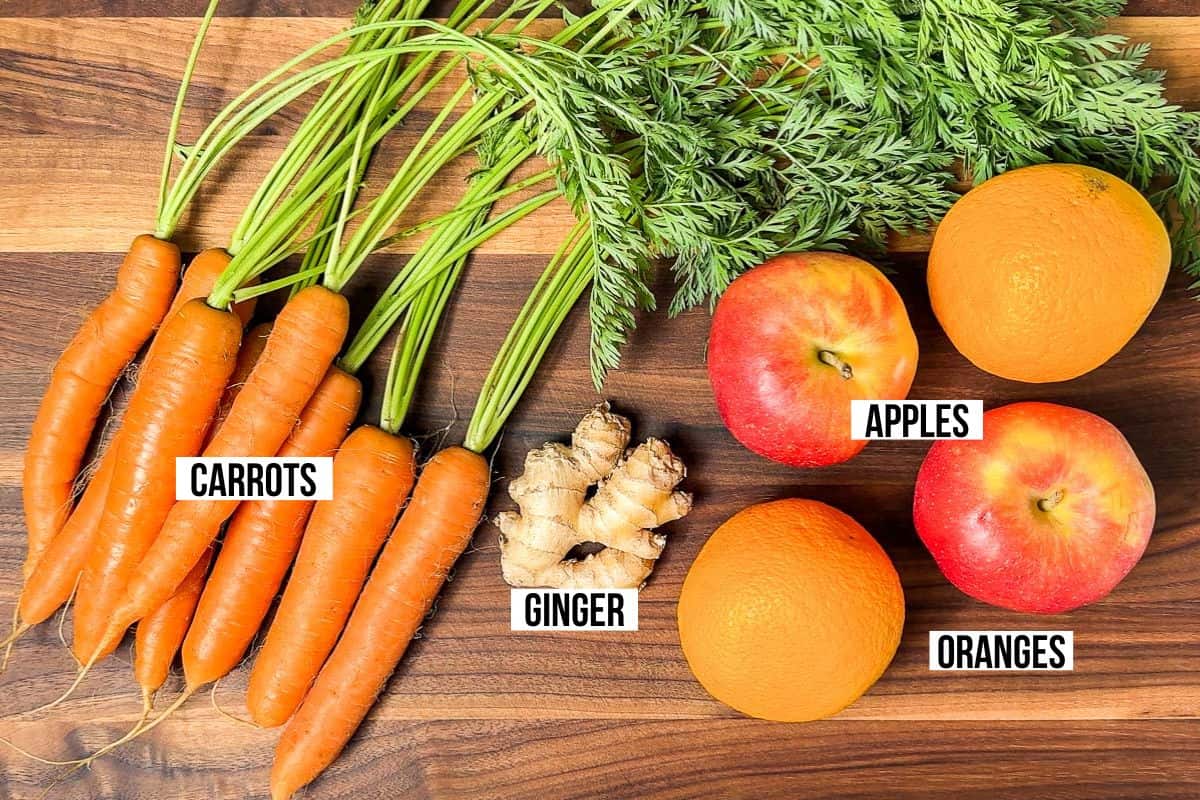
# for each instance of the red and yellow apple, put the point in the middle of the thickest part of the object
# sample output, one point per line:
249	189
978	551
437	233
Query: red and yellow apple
1047	513
794	341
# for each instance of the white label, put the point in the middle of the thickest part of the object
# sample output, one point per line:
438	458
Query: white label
275	478
571	610
916	419
1027	651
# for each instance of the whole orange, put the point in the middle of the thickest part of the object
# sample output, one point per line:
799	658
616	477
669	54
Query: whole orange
1044	273
790	612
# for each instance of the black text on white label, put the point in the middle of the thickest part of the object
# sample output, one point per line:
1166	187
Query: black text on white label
254	478
1036	651
574	610
916	419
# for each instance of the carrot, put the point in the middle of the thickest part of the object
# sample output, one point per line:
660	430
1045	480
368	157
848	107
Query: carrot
104	345
303	343
170	410
372	474
200	278
252	348
160	634
428	539
81	381
55	577
261	542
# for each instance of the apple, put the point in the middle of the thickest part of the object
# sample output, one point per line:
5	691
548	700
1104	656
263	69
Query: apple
795	340
1047	513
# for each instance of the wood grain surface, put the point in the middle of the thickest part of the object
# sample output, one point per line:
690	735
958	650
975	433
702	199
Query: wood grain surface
476	711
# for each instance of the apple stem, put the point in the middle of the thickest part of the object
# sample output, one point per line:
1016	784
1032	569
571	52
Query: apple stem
1048	503
831	358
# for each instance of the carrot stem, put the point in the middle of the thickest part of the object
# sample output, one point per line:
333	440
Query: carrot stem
467	206
412	346
177	111
324	122
443	250
436	255
560	286
426	159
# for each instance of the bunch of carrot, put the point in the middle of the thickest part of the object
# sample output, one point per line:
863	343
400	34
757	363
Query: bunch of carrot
130	554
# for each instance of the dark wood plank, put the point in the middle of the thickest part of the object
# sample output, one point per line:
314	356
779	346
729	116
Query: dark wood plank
667	760
93	78
118	77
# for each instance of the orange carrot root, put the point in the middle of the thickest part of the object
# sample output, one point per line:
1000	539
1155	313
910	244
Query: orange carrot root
261	543
373	471
83	377
167	417
306	337
434	530
57	574
159	635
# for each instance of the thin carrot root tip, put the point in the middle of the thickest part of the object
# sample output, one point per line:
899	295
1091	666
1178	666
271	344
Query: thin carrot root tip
8	643
80	763
14	633
62	621
79	676
137	730
47	761
212	696
68	773
143	726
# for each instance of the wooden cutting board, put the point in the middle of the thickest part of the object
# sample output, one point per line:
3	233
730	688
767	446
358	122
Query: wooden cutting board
476	711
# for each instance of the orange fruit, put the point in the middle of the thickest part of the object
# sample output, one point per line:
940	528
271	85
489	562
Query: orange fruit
1044	273
790	612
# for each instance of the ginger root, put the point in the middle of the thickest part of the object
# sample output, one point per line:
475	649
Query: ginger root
635	493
